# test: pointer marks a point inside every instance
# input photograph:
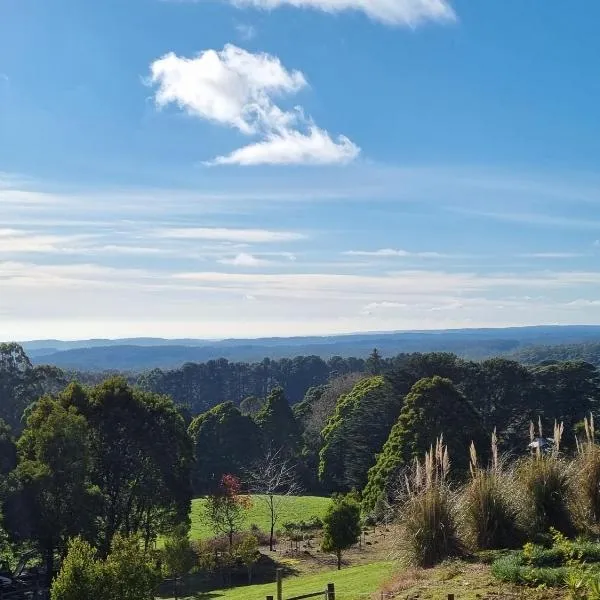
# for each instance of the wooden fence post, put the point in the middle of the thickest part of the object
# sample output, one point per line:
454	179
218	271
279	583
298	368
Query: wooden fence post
330	591
450	596
279	579
269	597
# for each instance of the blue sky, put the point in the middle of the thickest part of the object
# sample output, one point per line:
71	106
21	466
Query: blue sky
281	167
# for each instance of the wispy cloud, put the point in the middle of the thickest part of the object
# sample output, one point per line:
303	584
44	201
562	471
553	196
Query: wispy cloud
393	253
222	234
551	255
316	302
236	88
542	220
245	31
409	13
17	241
373	306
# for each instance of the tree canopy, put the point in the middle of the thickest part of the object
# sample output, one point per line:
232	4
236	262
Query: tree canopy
356	432
433	408
276	421
225	442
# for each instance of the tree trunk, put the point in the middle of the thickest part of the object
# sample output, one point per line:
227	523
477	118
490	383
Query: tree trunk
49	566
272	507
339	559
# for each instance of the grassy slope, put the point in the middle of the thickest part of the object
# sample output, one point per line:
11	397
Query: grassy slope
294	509
467	581
353	583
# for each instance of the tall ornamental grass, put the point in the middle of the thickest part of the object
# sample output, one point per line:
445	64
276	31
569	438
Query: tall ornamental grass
545	484
488	504
427	513
585	480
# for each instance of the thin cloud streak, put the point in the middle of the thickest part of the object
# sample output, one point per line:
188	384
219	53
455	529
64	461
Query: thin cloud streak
250	236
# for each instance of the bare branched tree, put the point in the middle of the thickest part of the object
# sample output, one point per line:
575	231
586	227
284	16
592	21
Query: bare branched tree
273	479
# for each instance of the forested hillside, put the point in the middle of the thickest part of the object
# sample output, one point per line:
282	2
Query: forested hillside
590	352
117	461
139	354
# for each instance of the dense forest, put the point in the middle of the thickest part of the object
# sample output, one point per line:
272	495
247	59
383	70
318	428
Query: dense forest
322	411
137	450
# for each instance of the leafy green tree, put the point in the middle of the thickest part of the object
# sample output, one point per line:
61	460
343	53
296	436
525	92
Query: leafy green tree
341	526
224	441
251	405
568	392
178	556
375	363
303	410
51	499
128	571
225	509
21	383
356	432
126	574
80	575
276	421
141	457
8	453
508	400
433	407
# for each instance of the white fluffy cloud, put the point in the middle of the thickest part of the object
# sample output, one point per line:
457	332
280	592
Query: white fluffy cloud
392	12
244	260
238	89
290	147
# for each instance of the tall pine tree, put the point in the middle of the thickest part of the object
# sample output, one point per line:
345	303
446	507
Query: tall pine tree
434	407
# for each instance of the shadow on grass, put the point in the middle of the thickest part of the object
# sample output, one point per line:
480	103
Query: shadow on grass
201	587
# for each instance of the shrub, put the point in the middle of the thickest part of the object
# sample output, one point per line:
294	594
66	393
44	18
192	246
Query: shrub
313	524
126	574
489	515
341	526
80	575
511	569
178	556
574	563
427	512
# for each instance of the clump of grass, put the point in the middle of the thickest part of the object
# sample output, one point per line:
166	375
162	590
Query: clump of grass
488	510
585	479
511	569
427	512
545	484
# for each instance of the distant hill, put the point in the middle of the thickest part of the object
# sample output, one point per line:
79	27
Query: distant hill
589	352
137	354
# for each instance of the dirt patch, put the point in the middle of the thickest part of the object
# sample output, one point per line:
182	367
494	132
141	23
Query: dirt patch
377	544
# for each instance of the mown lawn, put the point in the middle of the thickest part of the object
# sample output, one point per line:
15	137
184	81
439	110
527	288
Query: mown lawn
291	509
353	583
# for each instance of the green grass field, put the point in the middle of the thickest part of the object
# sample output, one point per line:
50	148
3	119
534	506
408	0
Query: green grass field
353	583
291	509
